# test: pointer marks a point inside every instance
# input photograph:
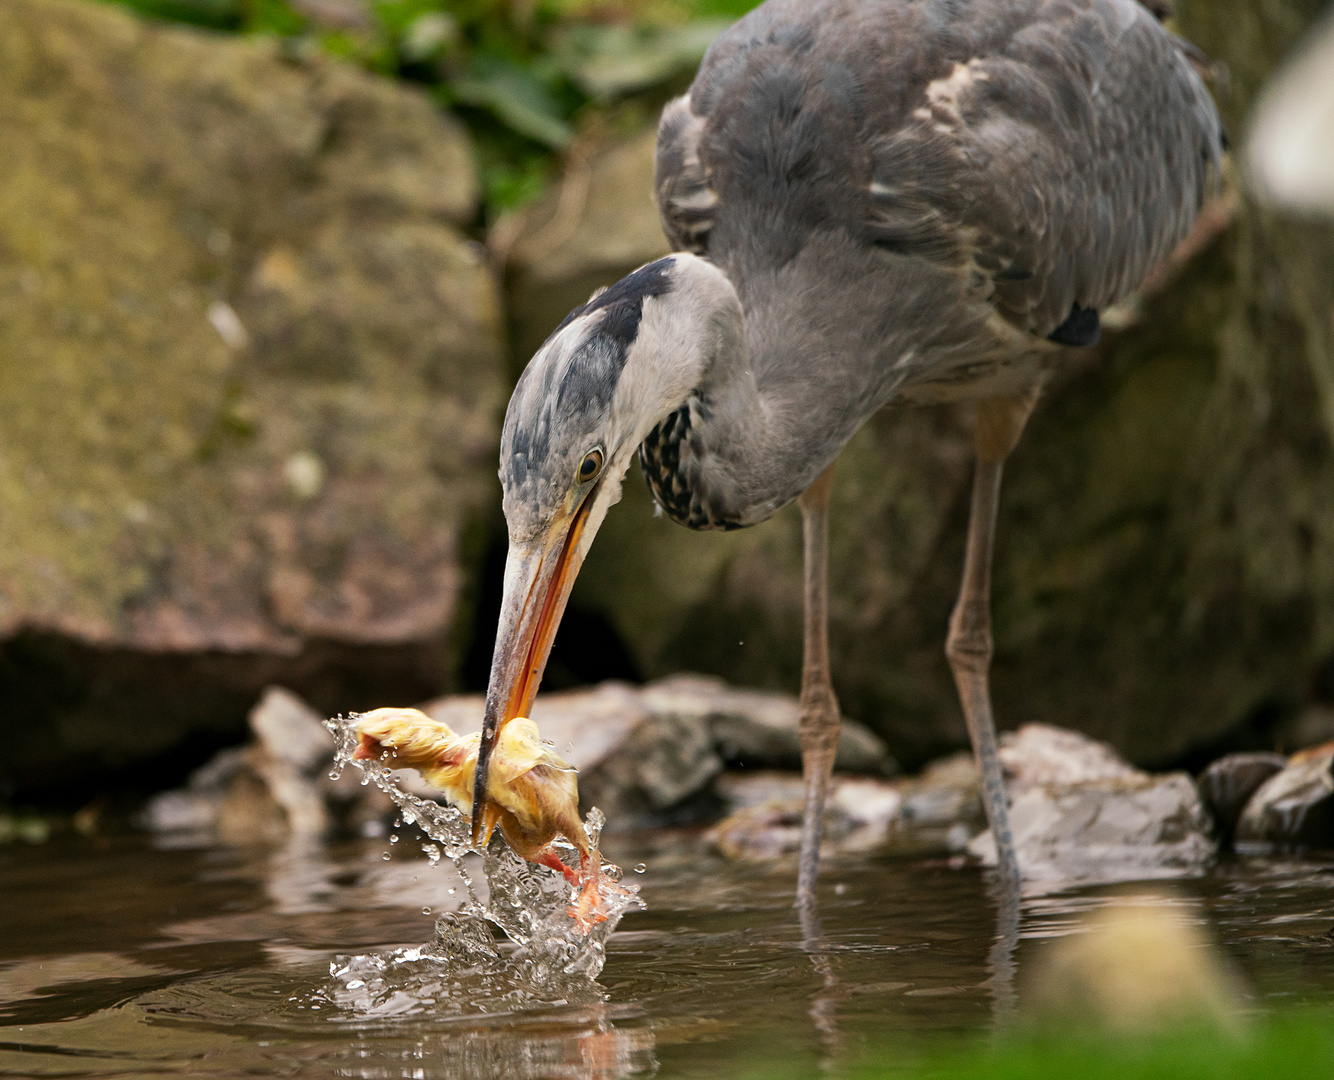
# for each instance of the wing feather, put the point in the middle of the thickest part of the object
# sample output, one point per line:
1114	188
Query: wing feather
686	202
1046	153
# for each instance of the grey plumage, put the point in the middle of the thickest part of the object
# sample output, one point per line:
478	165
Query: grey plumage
911	197
873	199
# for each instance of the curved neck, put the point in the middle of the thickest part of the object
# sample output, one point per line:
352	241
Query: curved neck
762	422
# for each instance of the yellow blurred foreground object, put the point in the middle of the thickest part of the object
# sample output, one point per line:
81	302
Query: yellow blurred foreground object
534	794
1138	966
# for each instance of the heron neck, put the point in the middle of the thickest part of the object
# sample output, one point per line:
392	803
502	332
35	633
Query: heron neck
753	434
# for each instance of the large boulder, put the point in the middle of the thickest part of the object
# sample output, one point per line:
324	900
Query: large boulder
250	374
1165	560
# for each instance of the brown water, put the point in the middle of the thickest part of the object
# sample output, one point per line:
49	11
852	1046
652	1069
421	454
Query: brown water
119	958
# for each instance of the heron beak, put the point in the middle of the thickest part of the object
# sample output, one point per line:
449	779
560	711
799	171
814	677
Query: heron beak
538	579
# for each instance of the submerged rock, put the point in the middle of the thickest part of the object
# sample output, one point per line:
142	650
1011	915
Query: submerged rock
1228	784
1294	806
250	377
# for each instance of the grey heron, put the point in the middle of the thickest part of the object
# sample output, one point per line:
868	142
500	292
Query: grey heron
928	200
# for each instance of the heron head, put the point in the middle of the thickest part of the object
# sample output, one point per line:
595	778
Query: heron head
614	368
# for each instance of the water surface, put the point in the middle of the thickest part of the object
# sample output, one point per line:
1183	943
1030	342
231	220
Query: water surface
121	958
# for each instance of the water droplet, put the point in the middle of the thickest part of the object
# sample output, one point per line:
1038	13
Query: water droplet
393	839
365	780
426	911
355	984
385	856
640	867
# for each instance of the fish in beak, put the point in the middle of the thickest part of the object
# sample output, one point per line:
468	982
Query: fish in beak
538	578
535	795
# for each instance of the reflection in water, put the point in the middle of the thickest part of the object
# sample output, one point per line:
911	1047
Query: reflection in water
583	1045
1001	959
531	1017
825	1001
122	959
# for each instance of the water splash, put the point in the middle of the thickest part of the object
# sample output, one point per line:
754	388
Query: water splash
555	961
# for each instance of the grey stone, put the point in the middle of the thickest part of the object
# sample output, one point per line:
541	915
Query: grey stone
634	763
291	731
758	728
766	813
1040	755
1228	783
648	753
942	808
1295	806
265	792
936	812
1126	829
1081	813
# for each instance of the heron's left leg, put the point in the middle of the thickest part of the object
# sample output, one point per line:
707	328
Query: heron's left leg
968	646
819	724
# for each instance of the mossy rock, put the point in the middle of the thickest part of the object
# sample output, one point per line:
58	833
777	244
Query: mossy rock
250	370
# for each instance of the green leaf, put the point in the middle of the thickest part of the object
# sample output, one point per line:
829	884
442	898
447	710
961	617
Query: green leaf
608	60
517	99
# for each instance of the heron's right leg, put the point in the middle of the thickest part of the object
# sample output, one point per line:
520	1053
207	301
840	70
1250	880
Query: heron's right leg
819	722
968	646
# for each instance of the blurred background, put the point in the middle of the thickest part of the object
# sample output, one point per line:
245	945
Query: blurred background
269	269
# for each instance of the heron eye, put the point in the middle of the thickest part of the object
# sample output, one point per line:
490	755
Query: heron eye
590	466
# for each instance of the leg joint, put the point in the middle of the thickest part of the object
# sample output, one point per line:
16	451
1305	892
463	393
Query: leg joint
968	643
819	722
969	648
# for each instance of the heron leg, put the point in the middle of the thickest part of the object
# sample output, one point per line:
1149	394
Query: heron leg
968	646
819	723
